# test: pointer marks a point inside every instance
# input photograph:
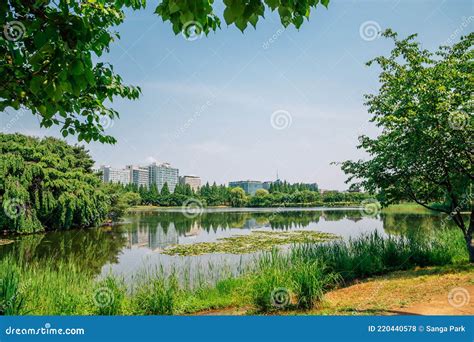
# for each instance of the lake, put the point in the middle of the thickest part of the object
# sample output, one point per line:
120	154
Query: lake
138	242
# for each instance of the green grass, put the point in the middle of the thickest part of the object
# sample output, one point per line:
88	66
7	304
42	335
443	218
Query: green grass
409	207
296	278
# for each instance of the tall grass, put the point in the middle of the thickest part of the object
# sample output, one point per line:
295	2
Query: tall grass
297	278
373	254
310	270
11	294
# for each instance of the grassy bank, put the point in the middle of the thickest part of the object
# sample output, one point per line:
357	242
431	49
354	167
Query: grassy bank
294	280
412	208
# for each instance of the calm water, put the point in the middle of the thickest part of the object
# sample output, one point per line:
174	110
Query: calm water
138	243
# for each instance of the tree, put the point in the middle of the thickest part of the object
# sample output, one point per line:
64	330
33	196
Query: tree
238	197
46	184
132	198
48	47
425	151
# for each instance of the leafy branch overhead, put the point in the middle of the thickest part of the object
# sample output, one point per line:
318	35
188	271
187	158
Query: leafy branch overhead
48	53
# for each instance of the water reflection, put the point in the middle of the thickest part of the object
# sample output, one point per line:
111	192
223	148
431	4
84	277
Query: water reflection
138	242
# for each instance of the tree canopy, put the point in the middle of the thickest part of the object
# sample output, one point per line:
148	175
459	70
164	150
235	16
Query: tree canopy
47	184
425	152
48	51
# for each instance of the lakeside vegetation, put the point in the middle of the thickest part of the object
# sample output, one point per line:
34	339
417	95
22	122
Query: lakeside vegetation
46	184
275	281
257	240
279	194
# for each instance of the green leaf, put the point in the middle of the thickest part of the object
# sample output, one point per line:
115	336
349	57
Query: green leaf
229	16
77	68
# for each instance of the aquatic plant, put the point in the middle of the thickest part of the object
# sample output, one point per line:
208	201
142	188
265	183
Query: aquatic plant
257	240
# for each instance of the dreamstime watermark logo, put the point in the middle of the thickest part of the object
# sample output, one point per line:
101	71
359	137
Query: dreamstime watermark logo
464	24
458	120
286	21
13	30
465	199
13	121
280	297
17	295
103	297
370	207
281	119
13	207
192	30
192	208
95	38
106	122
190	121
369	30
458	297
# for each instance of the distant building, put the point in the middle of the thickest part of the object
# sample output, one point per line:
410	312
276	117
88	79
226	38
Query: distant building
160	174
193	181
249	186
113	175
266	185
138	175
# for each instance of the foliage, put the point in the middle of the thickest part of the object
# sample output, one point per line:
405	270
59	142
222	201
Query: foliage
49	51
288	195
50	68
47	184
424	107
288	188
237	198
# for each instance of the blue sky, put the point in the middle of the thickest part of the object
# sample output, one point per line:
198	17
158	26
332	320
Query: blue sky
207	104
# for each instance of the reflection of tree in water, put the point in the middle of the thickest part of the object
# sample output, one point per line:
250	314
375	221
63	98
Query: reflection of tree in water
226	220
397	224
337	215
87	249
293	219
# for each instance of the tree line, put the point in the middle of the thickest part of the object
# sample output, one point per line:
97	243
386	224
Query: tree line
279	194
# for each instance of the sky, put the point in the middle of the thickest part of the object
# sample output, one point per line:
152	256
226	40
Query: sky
234	106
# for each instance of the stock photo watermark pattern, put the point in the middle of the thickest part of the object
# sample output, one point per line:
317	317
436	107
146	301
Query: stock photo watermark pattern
459	297
281	119
192	30
103	297
370	207
13	207
280	298
14	30
370	30
192	208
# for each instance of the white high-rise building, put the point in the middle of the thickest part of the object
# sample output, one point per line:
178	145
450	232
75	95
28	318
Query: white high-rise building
113	175
160	174
138	175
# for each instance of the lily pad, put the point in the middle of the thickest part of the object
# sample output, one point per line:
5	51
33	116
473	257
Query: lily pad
259	240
